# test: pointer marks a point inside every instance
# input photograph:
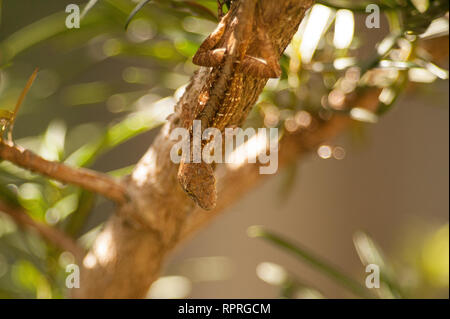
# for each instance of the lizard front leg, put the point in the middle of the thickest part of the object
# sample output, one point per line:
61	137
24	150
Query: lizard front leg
206	55
222	95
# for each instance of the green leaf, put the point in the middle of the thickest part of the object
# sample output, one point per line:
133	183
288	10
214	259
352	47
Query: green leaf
351	5
35	33
120	172
86	202
434	69
8	195
52	146
117	134
32	34
198	9
393	92
29	277
363	115
290	286
88	7
384	47
369	253
136	9
77	219
31	197
421	5
64	207
303	254
418	22
399	65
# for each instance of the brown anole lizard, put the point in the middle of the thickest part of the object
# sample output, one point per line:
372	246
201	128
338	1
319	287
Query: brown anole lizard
225	51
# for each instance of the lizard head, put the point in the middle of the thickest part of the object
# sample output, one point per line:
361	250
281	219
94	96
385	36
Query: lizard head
197	180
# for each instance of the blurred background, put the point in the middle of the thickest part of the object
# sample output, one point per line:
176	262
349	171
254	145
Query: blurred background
102	91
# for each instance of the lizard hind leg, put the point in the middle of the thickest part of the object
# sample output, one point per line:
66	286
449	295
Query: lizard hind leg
266	65
268	53
206	54
198	181
260	68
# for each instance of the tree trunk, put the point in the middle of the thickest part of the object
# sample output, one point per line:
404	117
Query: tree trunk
128	254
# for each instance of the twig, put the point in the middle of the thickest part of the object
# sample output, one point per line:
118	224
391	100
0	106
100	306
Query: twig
20	101
53	235
85	178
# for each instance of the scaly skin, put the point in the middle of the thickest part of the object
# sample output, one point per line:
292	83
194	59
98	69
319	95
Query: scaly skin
225	51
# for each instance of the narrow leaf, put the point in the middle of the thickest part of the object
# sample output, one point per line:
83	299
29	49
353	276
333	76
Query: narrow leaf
88	7
136	9
319	264
369	253
117	134
24	93
200	10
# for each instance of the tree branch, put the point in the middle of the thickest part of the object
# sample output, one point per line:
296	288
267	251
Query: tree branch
51	234
127	256
85	178
235	182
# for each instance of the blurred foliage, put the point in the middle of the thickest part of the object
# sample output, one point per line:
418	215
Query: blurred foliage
112	81
423	275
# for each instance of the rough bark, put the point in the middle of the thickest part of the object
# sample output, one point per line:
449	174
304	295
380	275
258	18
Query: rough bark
127	256
93	181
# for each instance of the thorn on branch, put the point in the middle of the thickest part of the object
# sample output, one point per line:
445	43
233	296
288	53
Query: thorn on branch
7	118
